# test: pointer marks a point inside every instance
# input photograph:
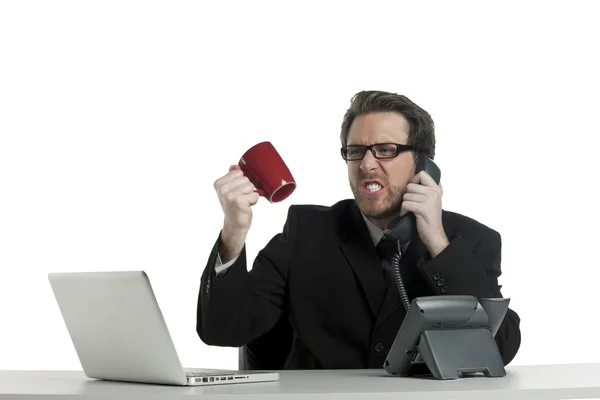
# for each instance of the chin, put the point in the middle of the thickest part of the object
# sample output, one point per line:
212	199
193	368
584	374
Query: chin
373	209
379	209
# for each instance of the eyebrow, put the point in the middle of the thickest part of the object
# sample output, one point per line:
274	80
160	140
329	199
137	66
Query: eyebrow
369	144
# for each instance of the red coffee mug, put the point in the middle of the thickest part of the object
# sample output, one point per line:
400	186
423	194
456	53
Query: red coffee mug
267	171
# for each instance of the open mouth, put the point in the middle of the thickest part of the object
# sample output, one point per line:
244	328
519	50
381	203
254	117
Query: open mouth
372	187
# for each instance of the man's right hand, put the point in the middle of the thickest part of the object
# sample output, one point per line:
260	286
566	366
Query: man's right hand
237	196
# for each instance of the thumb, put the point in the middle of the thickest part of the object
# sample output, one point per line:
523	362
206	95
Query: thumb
254	198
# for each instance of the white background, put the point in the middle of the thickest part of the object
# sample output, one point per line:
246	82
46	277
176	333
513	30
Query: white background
116	117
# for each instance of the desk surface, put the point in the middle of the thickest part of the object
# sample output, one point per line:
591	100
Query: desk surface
573	381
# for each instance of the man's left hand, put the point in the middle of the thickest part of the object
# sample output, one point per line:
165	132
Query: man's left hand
423	197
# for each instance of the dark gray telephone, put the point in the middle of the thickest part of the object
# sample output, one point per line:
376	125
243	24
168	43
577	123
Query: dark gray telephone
448	335
402	229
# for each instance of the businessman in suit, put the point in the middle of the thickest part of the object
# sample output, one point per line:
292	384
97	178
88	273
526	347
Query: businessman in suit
319	294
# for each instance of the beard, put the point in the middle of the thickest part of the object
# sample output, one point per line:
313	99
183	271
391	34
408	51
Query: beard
381	207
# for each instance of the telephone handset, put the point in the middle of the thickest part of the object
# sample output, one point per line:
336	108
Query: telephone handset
403	228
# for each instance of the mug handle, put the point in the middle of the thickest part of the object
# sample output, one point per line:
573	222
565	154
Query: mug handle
259	191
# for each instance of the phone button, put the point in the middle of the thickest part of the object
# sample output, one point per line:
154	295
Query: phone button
444	289
379	347
440	282
436	276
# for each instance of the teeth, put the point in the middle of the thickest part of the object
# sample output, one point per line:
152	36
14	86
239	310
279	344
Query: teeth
373	187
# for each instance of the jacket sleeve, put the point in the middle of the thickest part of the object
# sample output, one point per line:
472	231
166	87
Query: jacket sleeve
237	305
461	270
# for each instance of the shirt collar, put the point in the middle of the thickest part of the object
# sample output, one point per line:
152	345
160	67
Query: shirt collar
375	232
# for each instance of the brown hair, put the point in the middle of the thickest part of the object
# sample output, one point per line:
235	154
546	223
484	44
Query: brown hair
422	129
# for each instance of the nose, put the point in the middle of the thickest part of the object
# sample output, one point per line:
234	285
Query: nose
369	162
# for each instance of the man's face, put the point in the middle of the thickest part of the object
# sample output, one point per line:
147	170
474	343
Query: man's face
381	205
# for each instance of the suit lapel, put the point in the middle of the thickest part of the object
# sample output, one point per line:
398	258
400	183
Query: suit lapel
358	249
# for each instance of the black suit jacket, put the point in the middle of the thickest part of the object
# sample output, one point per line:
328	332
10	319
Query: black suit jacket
320	282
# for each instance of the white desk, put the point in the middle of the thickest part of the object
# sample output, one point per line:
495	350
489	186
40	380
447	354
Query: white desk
572	381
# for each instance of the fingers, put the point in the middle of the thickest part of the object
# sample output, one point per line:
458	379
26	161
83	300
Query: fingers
236	190
232	174
421	200
417	202
236	187
253	198
414	197
414	202
417	188
424	179
423	189
412	206
242	201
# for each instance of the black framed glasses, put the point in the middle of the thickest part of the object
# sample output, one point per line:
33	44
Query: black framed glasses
381	151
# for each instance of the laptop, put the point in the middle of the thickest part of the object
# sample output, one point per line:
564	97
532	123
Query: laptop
119	333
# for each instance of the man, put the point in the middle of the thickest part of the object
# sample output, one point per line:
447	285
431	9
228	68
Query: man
317	295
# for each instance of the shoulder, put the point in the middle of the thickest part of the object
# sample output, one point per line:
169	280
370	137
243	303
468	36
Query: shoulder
320	212
310	223
468	227
317	218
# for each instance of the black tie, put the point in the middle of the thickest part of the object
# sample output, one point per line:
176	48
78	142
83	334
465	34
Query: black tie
386	249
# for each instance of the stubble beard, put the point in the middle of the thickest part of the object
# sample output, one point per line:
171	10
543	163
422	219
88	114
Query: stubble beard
379	208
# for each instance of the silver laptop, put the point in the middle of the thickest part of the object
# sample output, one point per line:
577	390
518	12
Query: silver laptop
119	332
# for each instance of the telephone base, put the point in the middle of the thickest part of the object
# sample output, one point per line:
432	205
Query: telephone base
450	354
452	336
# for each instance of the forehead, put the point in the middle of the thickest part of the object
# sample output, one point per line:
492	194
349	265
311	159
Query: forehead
379	127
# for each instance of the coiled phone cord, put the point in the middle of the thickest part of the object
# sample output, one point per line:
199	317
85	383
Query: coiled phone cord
398	277
417	358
